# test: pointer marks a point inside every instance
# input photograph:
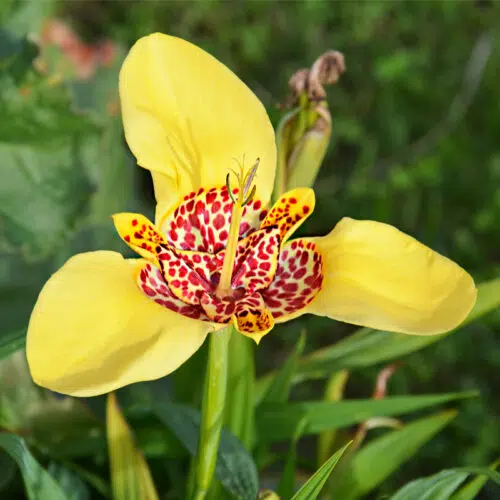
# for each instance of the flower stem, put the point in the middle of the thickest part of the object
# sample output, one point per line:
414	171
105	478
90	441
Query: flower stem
212	411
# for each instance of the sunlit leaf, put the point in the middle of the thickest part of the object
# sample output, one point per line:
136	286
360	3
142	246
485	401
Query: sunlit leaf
378	459
130	475
312	488
38	482
277	421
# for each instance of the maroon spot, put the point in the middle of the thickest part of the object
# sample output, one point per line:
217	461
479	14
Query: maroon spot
223	235
211	197
127	238
216	207
148	291
293	200
305	209
219	221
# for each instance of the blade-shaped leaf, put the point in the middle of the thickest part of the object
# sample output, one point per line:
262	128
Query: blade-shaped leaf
441	486
277	421
12	342
279	388
472	488
235	468
38	482
130	475
287	481
73	487
312	488
368	347
378	459
438	487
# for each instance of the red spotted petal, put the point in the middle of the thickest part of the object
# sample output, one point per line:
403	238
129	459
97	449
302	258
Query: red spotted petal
252	318
205	264
139	233
217	309
256	260
290	211
201	222
152	283
183	281
297	281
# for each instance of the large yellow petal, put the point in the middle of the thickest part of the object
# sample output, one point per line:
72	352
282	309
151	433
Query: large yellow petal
92	330
188	119
377	276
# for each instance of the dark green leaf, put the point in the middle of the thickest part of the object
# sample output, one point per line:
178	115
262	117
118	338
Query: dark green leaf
473	487
279	389
70	483
277	421
441	486
12	342
235	468
368	347
38	482
287	481
378	459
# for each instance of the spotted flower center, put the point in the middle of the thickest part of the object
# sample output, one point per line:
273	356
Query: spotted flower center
271	278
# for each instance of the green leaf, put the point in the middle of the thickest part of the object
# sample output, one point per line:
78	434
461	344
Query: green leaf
73	486
235	468
277	421
472	488
38	482
12	342
366	470
130	475
287	481
281	384
368	347
441	486
314	485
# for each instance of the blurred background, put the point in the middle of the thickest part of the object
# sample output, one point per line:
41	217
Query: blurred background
416	138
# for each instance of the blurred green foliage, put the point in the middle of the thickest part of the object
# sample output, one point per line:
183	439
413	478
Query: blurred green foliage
416	121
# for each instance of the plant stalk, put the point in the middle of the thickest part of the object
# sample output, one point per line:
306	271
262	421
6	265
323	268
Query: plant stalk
212	410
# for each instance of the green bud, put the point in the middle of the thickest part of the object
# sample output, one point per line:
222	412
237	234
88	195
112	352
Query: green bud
267	495
304	133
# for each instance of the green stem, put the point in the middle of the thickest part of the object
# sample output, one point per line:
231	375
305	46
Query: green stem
212	410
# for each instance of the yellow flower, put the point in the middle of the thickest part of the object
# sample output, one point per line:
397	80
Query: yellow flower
215	254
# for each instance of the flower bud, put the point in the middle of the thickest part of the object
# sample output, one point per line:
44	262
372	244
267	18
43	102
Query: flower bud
304	133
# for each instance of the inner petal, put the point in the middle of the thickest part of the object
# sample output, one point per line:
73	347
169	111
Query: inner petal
290	211
297	281
256	260
218	309
151	281
252	318
183	281
201	222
